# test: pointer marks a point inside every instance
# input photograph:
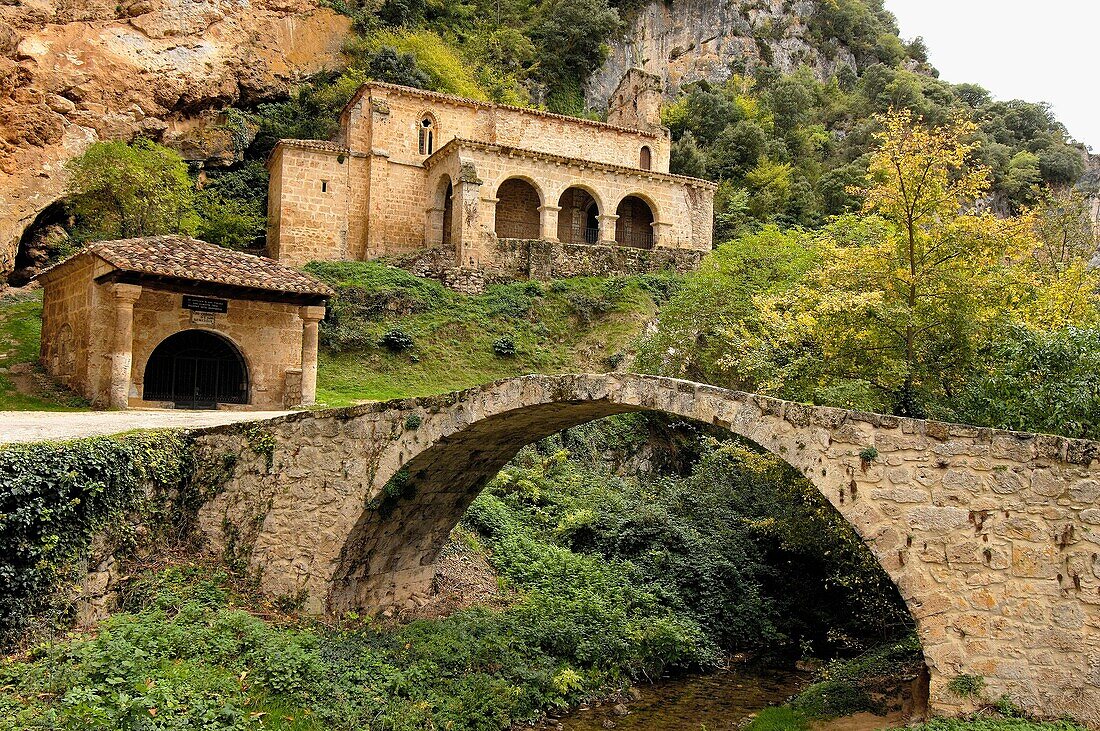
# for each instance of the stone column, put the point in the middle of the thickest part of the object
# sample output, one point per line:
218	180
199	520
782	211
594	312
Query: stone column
607	228
311	315
548	221
122	350
661	235
478	239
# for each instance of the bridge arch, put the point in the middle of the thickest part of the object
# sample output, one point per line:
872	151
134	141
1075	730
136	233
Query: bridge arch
992	538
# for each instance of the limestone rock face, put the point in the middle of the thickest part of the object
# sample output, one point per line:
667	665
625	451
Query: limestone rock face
691	40
76	71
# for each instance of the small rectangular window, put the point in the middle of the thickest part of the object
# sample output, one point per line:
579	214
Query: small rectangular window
324	186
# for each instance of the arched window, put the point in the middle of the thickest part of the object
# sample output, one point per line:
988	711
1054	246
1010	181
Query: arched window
427	136
645	159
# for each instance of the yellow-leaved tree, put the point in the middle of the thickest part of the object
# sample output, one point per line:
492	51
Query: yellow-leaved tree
890	318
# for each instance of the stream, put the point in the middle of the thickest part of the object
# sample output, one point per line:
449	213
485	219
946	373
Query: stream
719	701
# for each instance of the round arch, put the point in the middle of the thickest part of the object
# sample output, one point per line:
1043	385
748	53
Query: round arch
517	210
445	463
198	369
579	217
636	213
441	213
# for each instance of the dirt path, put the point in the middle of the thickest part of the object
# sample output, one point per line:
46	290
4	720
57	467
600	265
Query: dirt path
33	426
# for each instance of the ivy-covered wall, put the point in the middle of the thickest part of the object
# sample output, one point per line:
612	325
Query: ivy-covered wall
124	494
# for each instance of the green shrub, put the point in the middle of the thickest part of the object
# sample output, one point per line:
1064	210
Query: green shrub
504	346
396	340
966	686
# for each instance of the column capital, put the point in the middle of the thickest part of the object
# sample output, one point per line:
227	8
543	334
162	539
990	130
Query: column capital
550	208
609	217
126	292
312	313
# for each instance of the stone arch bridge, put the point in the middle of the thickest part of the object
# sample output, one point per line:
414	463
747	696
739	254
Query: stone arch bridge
992	537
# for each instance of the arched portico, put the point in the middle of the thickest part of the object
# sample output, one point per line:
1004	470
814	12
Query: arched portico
991	537
579	215
440	216
518	214
634	225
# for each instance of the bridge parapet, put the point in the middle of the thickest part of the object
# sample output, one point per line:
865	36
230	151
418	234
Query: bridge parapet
992	537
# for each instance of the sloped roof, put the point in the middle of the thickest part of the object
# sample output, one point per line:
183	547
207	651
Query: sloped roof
184	258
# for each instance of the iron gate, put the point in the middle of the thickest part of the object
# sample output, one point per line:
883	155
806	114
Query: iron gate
197	370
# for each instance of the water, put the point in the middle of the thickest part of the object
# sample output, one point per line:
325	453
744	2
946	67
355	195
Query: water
717	702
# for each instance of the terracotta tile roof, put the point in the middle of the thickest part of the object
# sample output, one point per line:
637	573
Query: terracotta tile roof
180	257
478	104
459	142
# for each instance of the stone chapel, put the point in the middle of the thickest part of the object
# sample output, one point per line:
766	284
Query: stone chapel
458	185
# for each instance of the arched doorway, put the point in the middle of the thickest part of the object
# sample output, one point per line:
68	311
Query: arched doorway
448	213
635	225
578	219
196	369
518	210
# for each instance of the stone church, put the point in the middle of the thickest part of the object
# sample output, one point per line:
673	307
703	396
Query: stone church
456	186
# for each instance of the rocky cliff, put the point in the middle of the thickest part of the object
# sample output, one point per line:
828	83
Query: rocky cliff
76	71
691	40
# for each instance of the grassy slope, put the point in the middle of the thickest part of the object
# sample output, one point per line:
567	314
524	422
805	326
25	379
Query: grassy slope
581	324
20	325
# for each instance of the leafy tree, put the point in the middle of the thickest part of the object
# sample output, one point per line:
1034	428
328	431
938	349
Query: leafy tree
737	150
693	334
1061	164
230	222
1031	380
929	274
1023	176
686	158
122	191
1064	228
890	319
707	113
569	35
386	64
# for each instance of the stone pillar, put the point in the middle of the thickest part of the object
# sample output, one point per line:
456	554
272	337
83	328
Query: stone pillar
122	350
661	236
311	315
607	228
476	240
548	220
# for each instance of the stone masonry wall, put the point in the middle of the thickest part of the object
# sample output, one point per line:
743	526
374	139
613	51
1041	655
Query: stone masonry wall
385	118
992	538
268	335
545	260
308	204
66	324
